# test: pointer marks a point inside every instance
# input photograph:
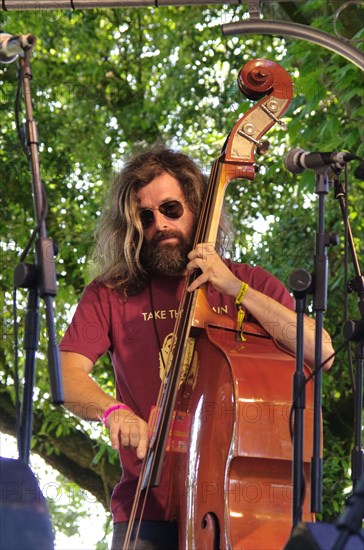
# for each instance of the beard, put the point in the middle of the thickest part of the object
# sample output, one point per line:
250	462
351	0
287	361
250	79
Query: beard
168	259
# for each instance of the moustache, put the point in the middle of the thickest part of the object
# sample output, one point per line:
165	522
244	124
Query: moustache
161	235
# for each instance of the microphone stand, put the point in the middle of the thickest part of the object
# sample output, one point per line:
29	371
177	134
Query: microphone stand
40	279
354	331
300	282
319	306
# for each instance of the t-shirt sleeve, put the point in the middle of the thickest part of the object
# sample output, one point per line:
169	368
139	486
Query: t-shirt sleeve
263	281
89	331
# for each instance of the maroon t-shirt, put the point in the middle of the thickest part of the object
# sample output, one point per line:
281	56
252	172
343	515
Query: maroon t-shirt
106	321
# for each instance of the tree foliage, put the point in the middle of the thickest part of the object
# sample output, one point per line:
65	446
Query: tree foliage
108	82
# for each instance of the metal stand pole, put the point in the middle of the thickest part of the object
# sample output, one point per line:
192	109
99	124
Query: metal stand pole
39	279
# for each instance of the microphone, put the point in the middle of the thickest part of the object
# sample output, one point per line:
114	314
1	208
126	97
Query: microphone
13	45
297	160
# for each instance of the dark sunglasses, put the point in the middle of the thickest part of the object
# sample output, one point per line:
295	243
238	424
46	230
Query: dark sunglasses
169	209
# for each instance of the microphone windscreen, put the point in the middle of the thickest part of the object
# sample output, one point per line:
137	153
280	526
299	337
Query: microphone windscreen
291	161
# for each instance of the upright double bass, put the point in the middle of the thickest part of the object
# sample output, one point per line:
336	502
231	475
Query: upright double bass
224	425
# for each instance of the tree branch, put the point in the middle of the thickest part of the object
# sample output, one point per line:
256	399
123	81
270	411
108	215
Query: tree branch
72	455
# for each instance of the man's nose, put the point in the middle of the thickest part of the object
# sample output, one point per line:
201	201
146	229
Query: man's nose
160	221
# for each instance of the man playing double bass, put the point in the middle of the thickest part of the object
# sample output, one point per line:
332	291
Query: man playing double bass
144	251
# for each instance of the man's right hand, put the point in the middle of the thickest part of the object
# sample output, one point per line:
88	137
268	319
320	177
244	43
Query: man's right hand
128	430
86	399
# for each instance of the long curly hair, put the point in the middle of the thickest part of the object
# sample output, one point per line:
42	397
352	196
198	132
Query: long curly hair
119	234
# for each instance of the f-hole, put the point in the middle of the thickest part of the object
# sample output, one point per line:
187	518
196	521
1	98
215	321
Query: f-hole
210	522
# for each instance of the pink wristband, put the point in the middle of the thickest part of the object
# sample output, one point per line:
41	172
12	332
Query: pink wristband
111	409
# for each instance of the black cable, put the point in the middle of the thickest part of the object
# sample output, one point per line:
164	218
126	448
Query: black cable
346	273
17	114
307	380
16	367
